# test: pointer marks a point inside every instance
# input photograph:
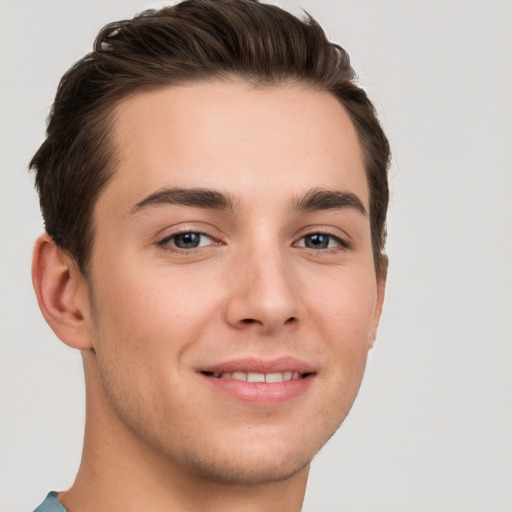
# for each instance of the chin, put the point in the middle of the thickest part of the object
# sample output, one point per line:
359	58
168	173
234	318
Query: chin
251	471
262	459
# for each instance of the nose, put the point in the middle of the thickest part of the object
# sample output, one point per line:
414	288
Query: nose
264	294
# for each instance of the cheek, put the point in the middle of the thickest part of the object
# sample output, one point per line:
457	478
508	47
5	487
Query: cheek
343	314
143	325
345	305
153	314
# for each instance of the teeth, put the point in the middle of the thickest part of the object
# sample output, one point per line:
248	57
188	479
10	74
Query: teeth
255	377
274	377
258	377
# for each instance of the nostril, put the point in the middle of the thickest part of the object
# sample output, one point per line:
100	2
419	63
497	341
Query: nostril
249	321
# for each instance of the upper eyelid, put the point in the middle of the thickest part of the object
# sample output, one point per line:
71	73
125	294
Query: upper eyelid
169	246
184	232
341	240
170	231
325	230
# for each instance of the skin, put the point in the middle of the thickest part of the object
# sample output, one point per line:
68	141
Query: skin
159	436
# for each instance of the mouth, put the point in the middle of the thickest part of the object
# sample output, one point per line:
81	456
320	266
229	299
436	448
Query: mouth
260	383
258	377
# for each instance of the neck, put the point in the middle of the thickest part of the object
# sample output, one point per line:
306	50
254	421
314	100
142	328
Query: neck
119	472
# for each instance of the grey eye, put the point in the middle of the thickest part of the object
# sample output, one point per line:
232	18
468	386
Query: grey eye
320	241
190	240
317	241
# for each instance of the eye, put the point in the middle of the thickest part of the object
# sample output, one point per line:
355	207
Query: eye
188	240
320	241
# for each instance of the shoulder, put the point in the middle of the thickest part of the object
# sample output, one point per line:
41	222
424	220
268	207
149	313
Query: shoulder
50	504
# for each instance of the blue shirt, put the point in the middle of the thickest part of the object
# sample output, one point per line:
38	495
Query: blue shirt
50	504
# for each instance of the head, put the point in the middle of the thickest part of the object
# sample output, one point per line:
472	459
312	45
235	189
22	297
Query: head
214	185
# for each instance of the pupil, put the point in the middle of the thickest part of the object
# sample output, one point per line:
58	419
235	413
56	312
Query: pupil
317	241
187	240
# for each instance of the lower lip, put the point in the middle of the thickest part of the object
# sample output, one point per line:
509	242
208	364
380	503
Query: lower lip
261	393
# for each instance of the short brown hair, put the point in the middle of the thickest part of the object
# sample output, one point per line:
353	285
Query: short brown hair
195	40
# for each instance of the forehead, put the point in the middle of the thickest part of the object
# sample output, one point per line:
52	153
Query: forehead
234	136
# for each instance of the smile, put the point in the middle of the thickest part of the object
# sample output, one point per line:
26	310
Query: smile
260	383
255	376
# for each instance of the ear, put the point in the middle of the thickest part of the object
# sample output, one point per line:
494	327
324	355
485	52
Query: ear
381	291
61	292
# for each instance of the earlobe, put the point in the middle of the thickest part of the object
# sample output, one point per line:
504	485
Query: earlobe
381	291
61	293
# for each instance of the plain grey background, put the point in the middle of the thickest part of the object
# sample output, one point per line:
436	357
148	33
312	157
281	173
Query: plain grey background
432	427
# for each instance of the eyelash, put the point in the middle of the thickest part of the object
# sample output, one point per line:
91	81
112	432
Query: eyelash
166	246
341	244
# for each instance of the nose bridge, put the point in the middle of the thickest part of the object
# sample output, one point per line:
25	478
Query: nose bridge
264	291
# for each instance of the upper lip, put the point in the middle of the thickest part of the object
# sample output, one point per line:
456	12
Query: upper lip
251	364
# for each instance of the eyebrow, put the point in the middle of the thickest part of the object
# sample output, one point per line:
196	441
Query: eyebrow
195	197
316	199
321	199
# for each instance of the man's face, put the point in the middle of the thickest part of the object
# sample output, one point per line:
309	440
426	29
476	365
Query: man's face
231	246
